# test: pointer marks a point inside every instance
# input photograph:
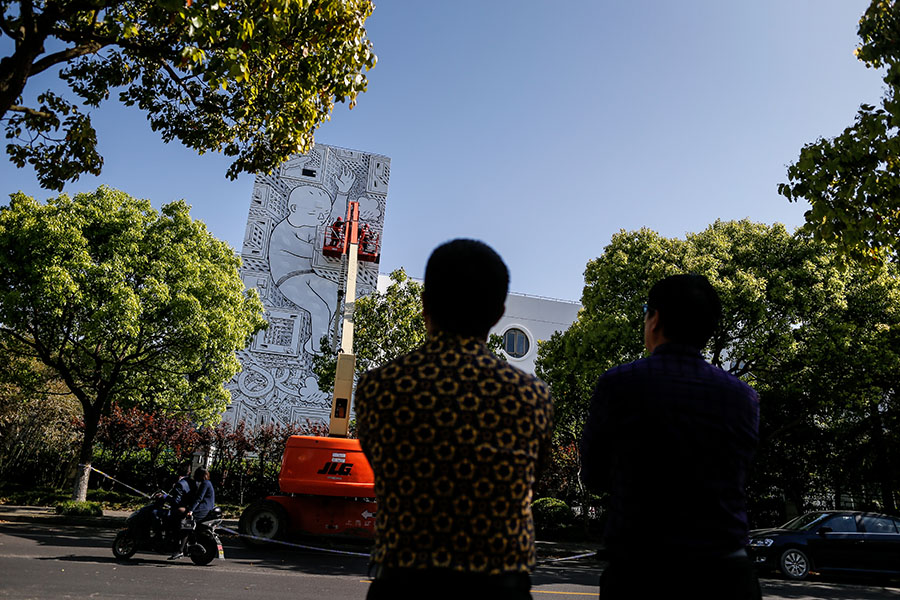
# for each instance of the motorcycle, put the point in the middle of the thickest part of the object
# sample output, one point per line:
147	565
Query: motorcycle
147	529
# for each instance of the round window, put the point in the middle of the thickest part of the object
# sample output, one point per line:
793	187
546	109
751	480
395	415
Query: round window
515	343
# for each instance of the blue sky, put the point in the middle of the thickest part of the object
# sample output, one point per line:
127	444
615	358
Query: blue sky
544	127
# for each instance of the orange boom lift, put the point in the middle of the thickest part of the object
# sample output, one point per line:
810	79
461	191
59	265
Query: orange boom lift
326	485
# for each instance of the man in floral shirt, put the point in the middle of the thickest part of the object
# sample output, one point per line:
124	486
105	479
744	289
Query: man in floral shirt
455	436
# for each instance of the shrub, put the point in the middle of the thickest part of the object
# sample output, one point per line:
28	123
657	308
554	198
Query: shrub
80	509
139	449
551	512
38	431
559	477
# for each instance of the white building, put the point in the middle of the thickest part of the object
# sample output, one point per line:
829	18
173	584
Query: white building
528	320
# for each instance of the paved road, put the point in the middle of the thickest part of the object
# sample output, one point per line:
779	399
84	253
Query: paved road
44	561
68	561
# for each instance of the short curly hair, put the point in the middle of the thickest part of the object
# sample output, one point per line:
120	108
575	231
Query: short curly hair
466	283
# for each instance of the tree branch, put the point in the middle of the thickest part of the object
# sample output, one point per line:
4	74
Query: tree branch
19	337
58	393
15	68
26	10
68	319
6	27
64	56
163	51
30	111
792	424
179	81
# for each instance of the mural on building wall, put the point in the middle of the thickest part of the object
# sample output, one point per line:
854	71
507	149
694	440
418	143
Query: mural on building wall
291	213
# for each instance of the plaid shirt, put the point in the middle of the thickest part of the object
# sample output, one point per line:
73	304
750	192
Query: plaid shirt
670	437
454	435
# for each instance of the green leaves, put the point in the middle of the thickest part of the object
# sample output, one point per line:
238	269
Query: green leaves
817	338
126	304
852	181
56	155
251	79
386	325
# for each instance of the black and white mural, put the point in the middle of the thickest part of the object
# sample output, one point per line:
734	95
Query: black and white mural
291	214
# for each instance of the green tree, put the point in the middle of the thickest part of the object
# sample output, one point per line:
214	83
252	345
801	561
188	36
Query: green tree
608	328
389	324
250	78
385	325
852	181
816	341
126	304
853	368
768	280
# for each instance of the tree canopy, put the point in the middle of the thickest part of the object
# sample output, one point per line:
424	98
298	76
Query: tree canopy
766	279
815	338
126	304
250	78
852	181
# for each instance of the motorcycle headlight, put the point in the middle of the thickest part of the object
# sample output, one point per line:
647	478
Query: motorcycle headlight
762	542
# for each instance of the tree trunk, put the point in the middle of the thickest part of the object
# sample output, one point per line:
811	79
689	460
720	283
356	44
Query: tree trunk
16	68
81	480
882	465
83	471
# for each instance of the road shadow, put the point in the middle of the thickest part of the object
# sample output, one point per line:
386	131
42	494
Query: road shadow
75	536
96	546
286	558
81	559
866	579
584	571
138	560
826	587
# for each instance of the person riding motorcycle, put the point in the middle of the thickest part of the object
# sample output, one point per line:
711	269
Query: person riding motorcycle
205	498
199	503
179	497
148	528
166	520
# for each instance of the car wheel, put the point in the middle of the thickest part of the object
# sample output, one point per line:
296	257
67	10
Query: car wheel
263	520
794	564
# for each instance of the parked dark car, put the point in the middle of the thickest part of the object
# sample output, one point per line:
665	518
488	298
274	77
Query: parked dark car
829	541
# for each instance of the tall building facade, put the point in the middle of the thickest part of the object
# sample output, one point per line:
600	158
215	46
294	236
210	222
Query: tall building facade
290	220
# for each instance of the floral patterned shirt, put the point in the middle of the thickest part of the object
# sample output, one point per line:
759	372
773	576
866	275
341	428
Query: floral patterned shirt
454	435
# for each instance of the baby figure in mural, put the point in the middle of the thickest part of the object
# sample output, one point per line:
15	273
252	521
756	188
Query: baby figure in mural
292	248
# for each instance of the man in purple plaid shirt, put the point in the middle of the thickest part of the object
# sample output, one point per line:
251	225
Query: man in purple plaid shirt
670	438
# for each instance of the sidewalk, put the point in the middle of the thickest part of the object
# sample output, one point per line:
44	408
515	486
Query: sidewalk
115	519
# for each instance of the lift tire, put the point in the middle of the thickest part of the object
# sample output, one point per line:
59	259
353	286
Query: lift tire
263	521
